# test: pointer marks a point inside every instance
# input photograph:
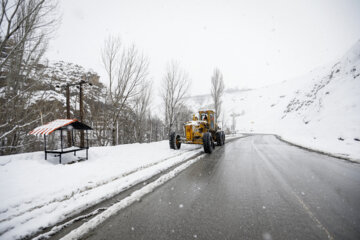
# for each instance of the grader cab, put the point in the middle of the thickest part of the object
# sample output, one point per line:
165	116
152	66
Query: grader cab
203	129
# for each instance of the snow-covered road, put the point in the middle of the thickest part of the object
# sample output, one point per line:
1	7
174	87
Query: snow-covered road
36	194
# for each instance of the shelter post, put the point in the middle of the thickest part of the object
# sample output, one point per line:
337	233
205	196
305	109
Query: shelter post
61	138
87	143
45	147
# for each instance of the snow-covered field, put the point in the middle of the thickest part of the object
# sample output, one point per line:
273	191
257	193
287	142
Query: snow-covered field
320	110
35	193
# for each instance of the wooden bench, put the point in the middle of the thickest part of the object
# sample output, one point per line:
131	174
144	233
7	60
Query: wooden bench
59	152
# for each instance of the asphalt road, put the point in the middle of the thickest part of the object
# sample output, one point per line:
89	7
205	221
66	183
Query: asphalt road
253	188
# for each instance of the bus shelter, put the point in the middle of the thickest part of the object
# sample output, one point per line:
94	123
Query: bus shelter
63	125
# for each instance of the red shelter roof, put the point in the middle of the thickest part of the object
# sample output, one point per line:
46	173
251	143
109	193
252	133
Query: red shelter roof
52	126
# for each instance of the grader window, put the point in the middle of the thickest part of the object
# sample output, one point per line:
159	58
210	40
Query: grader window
204	117
212	121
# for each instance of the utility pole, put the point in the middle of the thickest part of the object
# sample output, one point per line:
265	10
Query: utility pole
68	113
82	112
234	115
82	140
78	85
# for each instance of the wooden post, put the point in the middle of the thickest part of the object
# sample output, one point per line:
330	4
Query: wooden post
87	143
68	113
61	139
72	137
45	147
87	138
82	142
73	140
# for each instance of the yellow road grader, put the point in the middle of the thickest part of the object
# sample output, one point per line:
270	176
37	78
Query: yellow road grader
203	131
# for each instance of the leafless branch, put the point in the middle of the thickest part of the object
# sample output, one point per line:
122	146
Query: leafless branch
217	90
176	84
127	70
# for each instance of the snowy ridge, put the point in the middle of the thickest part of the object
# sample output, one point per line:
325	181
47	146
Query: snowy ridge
55	75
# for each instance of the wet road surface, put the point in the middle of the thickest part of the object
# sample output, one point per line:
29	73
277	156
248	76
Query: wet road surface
253	188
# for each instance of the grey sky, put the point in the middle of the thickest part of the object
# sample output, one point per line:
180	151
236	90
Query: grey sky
254	43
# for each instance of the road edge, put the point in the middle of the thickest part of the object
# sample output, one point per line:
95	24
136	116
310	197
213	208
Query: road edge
317	150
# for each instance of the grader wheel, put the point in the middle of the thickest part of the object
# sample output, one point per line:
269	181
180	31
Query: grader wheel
219	138
208	142
174	141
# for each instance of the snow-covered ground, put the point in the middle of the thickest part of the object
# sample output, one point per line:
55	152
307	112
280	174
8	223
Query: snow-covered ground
35	193
320	110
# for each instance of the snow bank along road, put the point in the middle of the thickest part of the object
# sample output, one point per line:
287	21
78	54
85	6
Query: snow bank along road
253	188
35	194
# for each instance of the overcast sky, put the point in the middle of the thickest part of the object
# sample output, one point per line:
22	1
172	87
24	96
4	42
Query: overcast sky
253	43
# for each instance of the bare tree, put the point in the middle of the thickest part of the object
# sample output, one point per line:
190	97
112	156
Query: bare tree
25	28
176	84
99	114
141	108
127	70
217	90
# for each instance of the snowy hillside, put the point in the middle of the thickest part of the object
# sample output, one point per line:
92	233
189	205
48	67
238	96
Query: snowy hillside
40	98
59	73
320	110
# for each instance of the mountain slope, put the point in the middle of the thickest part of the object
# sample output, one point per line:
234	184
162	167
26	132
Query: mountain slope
320	110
